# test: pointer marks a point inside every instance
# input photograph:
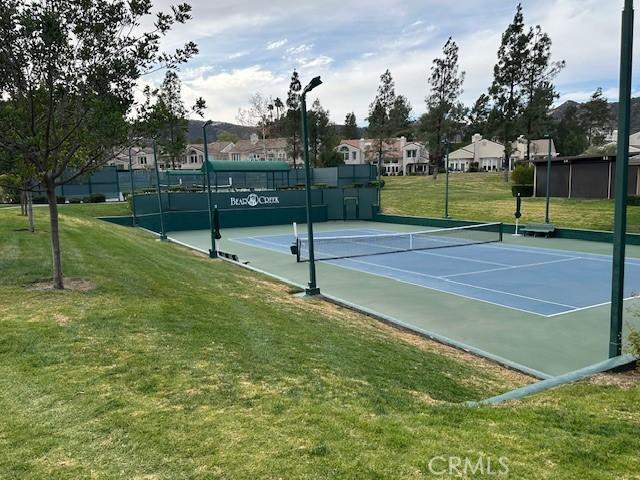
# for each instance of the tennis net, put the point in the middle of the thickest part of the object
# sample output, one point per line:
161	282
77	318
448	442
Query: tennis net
327	248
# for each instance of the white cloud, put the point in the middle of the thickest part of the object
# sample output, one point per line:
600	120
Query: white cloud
235	55
276	44
225	92
320	61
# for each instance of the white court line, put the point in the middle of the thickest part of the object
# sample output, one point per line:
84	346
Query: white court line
578	309
435	289
463	284
513	267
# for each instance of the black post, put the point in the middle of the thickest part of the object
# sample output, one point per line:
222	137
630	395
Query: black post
622	167
213	252
313	288
546	205
133	188
163	234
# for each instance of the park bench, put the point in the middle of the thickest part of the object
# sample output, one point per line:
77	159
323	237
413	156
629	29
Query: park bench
546	229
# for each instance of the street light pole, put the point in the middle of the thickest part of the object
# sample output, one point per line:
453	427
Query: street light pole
622	172
546	208
163	234
213	251
446	178
312	289
133	189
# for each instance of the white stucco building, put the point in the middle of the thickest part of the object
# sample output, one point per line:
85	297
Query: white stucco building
489	155
400	157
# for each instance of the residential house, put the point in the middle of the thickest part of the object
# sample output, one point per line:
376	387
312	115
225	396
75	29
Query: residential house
257	149
141	158
399	156
489	155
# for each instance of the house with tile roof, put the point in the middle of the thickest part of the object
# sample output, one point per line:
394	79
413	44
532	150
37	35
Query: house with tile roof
400	157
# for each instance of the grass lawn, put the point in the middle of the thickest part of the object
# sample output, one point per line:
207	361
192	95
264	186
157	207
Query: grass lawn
177	366
486	197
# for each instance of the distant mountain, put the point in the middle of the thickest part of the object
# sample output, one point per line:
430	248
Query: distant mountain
557	113
195	130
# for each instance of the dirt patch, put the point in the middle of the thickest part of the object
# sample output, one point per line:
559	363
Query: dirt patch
622	380
70	284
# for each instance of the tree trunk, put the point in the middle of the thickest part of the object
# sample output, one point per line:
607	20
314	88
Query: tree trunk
29	207
55	237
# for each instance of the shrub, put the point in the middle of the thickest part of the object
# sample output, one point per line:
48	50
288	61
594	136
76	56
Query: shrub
522	175
97	198
375	184
60	199
474	167
39	199
633	200
75	200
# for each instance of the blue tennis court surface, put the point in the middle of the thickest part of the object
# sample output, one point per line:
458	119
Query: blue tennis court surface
541	281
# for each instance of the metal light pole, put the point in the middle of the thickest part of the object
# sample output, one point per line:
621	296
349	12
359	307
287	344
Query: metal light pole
163	234
446	178
313	288
133	188
213	252
622	167
546	207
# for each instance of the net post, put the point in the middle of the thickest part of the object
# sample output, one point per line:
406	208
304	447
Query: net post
298	249
500	230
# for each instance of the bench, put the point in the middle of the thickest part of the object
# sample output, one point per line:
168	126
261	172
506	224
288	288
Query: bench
546	229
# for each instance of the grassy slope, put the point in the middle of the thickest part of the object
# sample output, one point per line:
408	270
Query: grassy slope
486	197
176	366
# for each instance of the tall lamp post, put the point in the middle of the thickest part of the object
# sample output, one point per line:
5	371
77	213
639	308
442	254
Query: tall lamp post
133	189
622	167
163	234
445	142
546	205
312	289
213	251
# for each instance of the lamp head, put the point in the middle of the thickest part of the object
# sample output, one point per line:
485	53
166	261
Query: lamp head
315	81
207	123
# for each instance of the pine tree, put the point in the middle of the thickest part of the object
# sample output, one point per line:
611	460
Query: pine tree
167	118
479	117
570	137
379	113
322	134
400	117
509	80
594	117
350	126
293	117
444	110
539	89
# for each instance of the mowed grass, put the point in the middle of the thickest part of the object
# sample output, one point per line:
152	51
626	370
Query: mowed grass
487	197
176	366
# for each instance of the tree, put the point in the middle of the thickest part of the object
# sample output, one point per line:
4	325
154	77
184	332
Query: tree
67	72
479	117
570	136
400	117
539	89
167	118
594	117
227	137
379	110
444	110
258	116
322	135
292	120
277	103
509	78
350	126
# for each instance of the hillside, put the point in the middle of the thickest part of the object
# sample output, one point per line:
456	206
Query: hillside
195	130
557	112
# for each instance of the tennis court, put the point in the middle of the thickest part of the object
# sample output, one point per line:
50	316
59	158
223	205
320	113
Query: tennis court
477	266
539	305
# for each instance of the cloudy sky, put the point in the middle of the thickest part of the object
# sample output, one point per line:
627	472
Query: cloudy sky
249	46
